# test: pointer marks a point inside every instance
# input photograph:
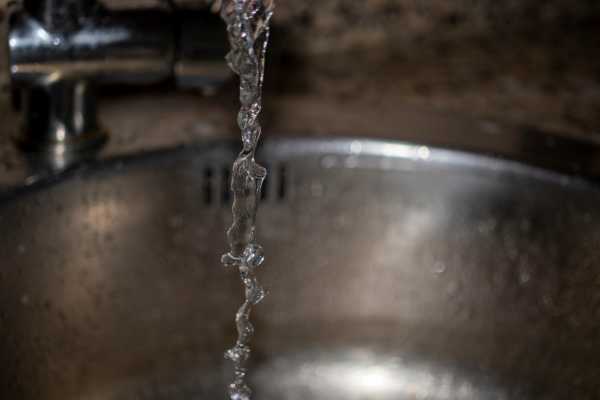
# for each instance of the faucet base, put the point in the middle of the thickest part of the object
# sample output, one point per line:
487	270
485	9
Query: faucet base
60	120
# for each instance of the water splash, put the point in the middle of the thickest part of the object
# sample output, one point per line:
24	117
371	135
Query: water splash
248	30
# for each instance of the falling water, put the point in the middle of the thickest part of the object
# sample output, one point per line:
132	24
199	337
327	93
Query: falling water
248	29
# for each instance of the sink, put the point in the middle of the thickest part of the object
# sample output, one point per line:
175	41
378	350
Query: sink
394	271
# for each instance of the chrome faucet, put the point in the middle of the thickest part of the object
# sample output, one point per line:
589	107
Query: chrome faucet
60	50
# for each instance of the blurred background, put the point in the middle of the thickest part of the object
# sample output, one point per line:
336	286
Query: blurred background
376	67
524	61
521	61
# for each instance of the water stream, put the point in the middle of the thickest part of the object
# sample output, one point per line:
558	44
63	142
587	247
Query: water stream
248	30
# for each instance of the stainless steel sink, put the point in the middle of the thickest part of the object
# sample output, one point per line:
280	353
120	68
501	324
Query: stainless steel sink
394	272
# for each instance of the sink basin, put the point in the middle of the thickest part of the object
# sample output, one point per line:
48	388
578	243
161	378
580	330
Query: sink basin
394	271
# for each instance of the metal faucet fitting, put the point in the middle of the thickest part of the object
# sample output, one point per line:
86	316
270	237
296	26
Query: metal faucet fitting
59	50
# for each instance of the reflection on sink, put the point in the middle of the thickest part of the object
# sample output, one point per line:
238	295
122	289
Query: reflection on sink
390	276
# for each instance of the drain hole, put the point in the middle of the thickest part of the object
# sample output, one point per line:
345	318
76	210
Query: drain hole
225	194
274	188
282	189
207	188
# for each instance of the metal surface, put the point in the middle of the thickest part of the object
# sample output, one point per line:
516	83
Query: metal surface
394	272
58	47
126	46
60	117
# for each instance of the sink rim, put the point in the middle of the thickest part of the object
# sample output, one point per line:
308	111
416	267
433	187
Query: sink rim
38	177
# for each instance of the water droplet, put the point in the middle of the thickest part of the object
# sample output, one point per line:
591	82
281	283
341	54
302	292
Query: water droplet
329	161
356	147
238	354
439	268
253	255
257	296
239	391
524	276
316	189
424	153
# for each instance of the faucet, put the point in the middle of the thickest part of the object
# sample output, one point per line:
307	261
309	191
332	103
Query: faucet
59	51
